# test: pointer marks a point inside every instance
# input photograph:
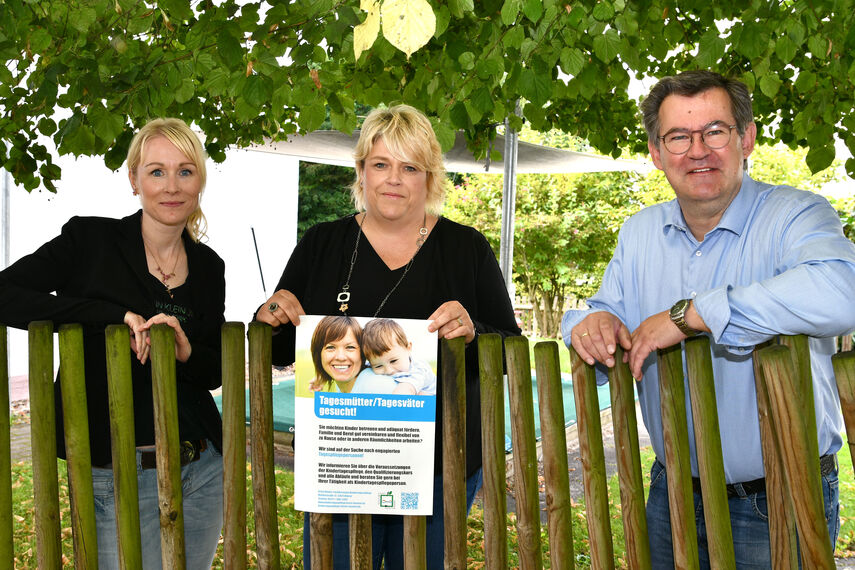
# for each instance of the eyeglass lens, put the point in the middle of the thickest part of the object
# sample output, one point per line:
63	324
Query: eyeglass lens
714	137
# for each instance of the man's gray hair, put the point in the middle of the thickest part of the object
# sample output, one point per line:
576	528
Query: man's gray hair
691	83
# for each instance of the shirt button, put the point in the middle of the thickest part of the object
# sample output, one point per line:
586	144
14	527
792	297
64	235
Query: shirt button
698	253
693	294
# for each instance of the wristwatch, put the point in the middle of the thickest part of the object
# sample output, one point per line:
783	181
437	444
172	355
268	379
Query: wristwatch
678	317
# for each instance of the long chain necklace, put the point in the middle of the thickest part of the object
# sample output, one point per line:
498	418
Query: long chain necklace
344	295
164	276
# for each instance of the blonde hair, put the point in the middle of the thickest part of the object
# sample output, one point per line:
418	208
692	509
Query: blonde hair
178	133
409	137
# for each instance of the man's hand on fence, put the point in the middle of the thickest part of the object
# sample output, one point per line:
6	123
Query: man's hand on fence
659	331
139	336
595	338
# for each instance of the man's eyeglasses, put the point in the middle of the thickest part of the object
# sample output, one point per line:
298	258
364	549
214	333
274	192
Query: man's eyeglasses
714	137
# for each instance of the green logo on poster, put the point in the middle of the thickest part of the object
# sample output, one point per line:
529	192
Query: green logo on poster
387	501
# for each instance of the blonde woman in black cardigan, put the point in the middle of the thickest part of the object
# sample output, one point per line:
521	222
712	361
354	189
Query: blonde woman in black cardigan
143	269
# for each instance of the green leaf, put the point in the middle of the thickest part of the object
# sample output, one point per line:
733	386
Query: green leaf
257	91
710	50
820	157
460	7
177	9
345	121
82	18
466	60
229	49
785	49
533	10
572	60
482	100
514	38
46	126
607	46
105	124
510	10
770	84
444	134
536	87
818	46
751	41
603	11
311	116
806	81
217	82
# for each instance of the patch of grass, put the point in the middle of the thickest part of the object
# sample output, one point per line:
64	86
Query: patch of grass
291	521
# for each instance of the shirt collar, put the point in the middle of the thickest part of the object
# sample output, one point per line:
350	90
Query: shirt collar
733	219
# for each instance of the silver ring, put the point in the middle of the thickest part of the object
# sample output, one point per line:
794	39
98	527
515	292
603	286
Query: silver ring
273	306
584	334
460	321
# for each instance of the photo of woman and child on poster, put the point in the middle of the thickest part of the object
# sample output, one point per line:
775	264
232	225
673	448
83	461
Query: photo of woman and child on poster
365	410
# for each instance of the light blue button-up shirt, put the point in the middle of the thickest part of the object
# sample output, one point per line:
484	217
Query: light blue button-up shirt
777	263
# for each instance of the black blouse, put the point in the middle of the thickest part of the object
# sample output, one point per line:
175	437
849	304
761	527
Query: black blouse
455	263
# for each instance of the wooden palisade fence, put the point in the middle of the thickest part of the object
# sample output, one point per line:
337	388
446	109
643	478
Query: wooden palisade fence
787	426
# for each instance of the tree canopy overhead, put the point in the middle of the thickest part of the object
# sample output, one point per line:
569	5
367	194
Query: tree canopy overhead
87	73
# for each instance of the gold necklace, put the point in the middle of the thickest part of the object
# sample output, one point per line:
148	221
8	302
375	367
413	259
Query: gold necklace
164	276
344	295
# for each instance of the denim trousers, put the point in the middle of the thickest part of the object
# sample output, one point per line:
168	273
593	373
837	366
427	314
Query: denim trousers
202	494
748	519
387	534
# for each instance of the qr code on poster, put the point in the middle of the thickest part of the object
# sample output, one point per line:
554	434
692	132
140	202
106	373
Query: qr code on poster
409	501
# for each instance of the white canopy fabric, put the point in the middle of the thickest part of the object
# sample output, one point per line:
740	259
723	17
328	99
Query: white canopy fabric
335	147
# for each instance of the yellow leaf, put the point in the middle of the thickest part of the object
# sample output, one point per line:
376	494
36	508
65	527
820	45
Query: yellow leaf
365	33
408	24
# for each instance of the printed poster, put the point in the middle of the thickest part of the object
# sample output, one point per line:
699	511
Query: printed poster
365	412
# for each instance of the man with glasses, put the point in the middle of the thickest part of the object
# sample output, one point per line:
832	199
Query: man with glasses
738	260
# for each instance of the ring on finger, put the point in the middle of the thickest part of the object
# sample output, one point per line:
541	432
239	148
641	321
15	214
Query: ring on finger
460	321
583	335
273	306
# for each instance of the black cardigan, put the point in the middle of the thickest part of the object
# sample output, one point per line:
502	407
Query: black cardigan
98	269
455	263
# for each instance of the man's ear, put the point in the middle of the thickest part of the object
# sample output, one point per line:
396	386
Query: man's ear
655	154
748	140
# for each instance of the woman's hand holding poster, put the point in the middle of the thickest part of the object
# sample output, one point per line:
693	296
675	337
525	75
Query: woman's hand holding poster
365	412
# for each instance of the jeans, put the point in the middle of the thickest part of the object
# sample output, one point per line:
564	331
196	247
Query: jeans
202	494
748	520
387	534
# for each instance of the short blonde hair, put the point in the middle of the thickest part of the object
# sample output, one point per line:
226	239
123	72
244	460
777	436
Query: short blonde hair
409	136
178	133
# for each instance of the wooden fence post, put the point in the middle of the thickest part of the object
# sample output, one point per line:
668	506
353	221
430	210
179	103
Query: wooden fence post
43	434
7	548
168	450
779	505
844	371
798	446
708	448
593	459
550	397
77	452
123	446
261	434
493	450
234	445
629	464
525	452
454	451
672	399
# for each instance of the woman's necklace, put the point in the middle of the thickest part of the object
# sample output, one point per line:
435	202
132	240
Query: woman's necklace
344	295
164	276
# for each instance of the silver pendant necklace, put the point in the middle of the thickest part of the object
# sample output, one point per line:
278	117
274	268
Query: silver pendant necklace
344	295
